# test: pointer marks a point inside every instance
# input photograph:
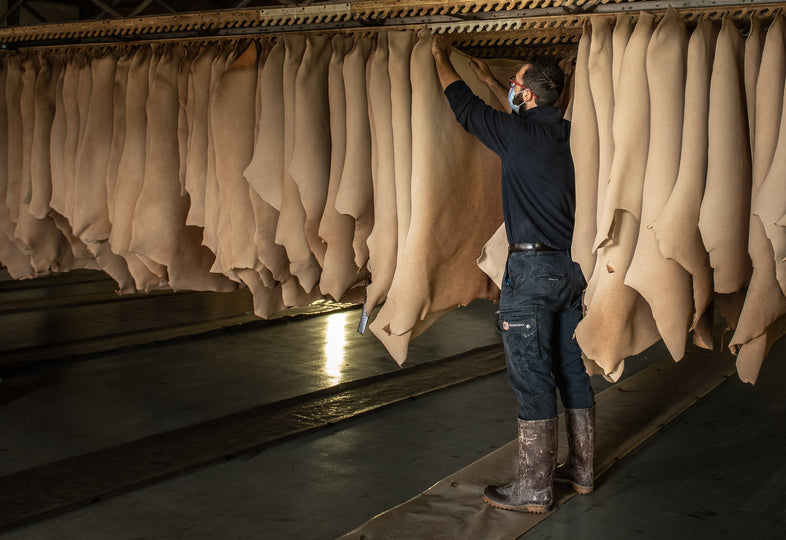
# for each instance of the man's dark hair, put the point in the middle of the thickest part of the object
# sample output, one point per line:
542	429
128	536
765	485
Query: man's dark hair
544	78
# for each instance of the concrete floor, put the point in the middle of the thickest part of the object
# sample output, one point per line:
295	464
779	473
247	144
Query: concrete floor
54	412
715	472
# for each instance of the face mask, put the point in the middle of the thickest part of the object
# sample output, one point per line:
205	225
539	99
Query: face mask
511	97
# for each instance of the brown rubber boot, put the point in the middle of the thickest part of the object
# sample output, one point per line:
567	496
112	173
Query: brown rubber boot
578	469
532	489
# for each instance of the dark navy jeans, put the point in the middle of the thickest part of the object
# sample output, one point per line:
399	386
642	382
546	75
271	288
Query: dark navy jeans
539	308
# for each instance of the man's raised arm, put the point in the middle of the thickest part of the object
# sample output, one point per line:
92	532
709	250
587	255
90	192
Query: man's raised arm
440	49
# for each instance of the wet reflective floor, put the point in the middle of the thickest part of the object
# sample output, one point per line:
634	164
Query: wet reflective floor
135	392
53	316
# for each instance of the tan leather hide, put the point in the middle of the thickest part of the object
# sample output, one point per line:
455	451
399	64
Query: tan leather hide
725	209
335	228
290	231
600	74
437	271
618	322
754	45
355	192
265	171
159	230
220	63
769	203
309	166
761	320
312	160
40	170
494	256
90	218
584	146
623	28
130	174
382	242
663	283
197	148
400	51
15	151
232	124
264	177
12	255
677	225
630	133
120	87
39	238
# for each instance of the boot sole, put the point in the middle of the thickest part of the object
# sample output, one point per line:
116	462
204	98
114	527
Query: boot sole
527	508
582	490
578	488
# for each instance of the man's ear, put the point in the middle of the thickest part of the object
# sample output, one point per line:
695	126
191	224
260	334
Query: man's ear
529	98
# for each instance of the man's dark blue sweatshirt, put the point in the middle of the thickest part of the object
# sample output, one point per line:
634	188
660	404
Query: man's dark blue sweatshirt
538	185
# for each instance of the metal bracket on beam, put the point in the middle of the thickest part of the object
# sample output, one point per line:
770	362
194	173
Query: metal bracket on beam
323	13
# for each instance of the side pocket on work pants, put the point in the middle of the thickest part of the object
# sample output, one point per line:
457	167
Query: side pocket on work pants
528	358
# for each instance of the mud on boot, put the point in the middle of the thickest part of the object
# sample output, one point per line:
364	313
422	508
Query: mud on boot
532	488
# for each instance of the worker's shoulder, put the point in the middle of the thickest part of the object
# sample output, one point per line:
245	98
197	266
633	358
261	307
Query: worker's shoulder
544	113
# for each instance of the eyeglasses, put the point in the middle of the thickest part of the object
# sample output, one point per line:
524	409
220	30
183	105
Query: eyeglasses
514	82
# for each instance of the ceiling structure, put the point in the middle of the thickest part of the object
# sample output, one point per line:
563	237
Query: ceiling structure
84	10
484	27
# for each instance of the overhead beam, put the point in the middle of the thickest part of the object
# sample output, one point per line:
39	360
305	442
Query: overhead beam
32	11
104	13
107	8
534	26
11	10
140	8
166	6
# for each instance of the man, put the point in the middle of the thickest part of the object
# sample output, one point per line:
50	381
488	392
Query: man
540	300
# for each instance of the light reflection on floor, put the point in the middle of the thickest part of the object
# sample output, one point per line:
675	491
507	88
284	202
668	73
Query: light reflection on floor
335	343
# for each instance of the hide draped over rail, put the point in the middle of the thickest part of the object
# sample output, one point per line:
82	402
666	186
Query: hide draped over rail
679	143
316	165
302	167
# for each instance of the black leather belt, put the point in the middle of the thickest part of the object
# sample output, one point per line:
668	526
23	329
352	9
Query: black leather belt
525	246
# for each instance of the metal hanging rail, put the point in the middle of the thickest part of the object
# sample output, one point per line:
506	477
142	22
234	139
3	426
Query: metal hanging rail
469	22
